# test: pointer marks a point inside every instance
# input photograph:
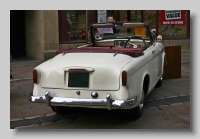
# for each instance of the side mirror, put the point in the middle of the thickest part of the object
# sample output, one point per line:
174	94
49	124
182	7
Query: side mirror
159	38
153	31
89	37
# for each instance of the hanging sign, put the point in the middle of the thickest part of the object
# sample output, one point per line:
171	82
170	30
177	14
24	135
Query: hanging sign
105	30
101	16
172	17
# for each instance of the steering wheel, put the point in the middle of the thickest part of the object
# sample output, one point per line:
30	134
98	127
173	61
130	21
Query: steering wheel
128	39
132	45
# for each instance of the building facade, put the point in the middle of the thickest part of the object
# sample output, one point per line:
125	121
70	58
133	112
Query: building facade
39	34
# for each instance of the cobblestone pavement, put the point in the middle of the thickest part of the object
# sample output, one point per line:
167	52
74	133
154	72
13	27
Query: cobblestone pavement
173	116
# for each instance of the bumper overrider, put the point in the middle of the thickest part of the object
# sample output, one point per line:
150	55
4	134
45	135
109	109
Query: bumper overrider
108	102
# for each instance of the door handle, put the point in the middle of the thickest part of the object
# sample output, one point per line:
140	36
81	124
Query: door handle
153	51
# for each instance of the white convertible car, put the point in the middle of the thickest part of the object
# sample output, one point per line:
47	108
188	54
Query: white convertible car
117	68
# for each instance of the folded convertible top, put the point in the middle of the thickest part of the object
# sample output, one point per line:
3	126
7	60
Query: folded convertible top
133	52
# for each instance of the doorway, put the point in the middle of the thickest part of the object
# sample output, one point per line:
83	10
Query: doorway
17	34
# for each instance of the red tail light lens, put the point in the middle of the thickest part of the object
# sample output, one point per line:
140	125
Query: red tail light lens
34	76
124	78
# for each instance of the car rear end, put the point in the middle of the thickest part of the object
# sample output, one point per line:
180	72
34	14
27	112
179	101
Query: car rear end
93	80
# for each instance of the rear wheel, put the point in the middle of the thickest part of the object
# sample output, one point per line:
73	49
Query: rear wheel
60	109
138	111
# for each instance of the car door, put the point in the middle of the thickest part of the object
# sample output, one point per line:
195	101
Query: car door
157	52
149	53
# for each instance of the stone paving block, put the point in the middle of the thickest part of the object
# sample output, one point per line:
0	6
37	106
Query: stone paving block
24	83
25	86
13	86
50	114
185	117
27	127
104	122
18	119
43	124
17	91
64	124
23	127
160	94
161	119
32	117
25	108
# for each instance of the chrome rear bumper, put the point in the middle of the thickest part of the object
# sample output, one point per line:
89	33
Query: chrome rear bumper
108	102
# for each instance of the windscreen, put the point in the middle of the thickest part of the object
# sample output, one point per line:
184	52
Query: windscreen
118	31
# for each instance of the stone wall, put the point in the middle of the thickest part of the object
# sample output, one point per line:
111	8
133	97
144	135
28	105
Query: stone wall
185	44
42	37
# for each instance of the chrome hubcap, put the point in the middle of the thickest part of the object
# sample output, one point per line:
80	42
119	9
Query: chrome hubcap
141	102
141	106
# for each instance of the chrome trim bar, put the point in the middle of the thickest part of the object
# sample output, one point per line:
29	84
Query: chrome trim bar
39	99
108	103
48	98
88	69
85	45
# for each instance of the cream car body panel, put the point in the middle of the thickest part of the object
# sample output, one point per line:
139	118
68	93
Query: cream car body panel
103	68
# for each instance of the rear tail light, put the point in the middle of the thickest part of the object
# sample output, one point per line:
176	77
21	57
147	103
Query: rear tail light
124	78
34	76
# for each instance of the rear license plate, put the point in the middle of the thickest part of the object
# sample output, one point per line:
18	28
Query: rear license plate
78	79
